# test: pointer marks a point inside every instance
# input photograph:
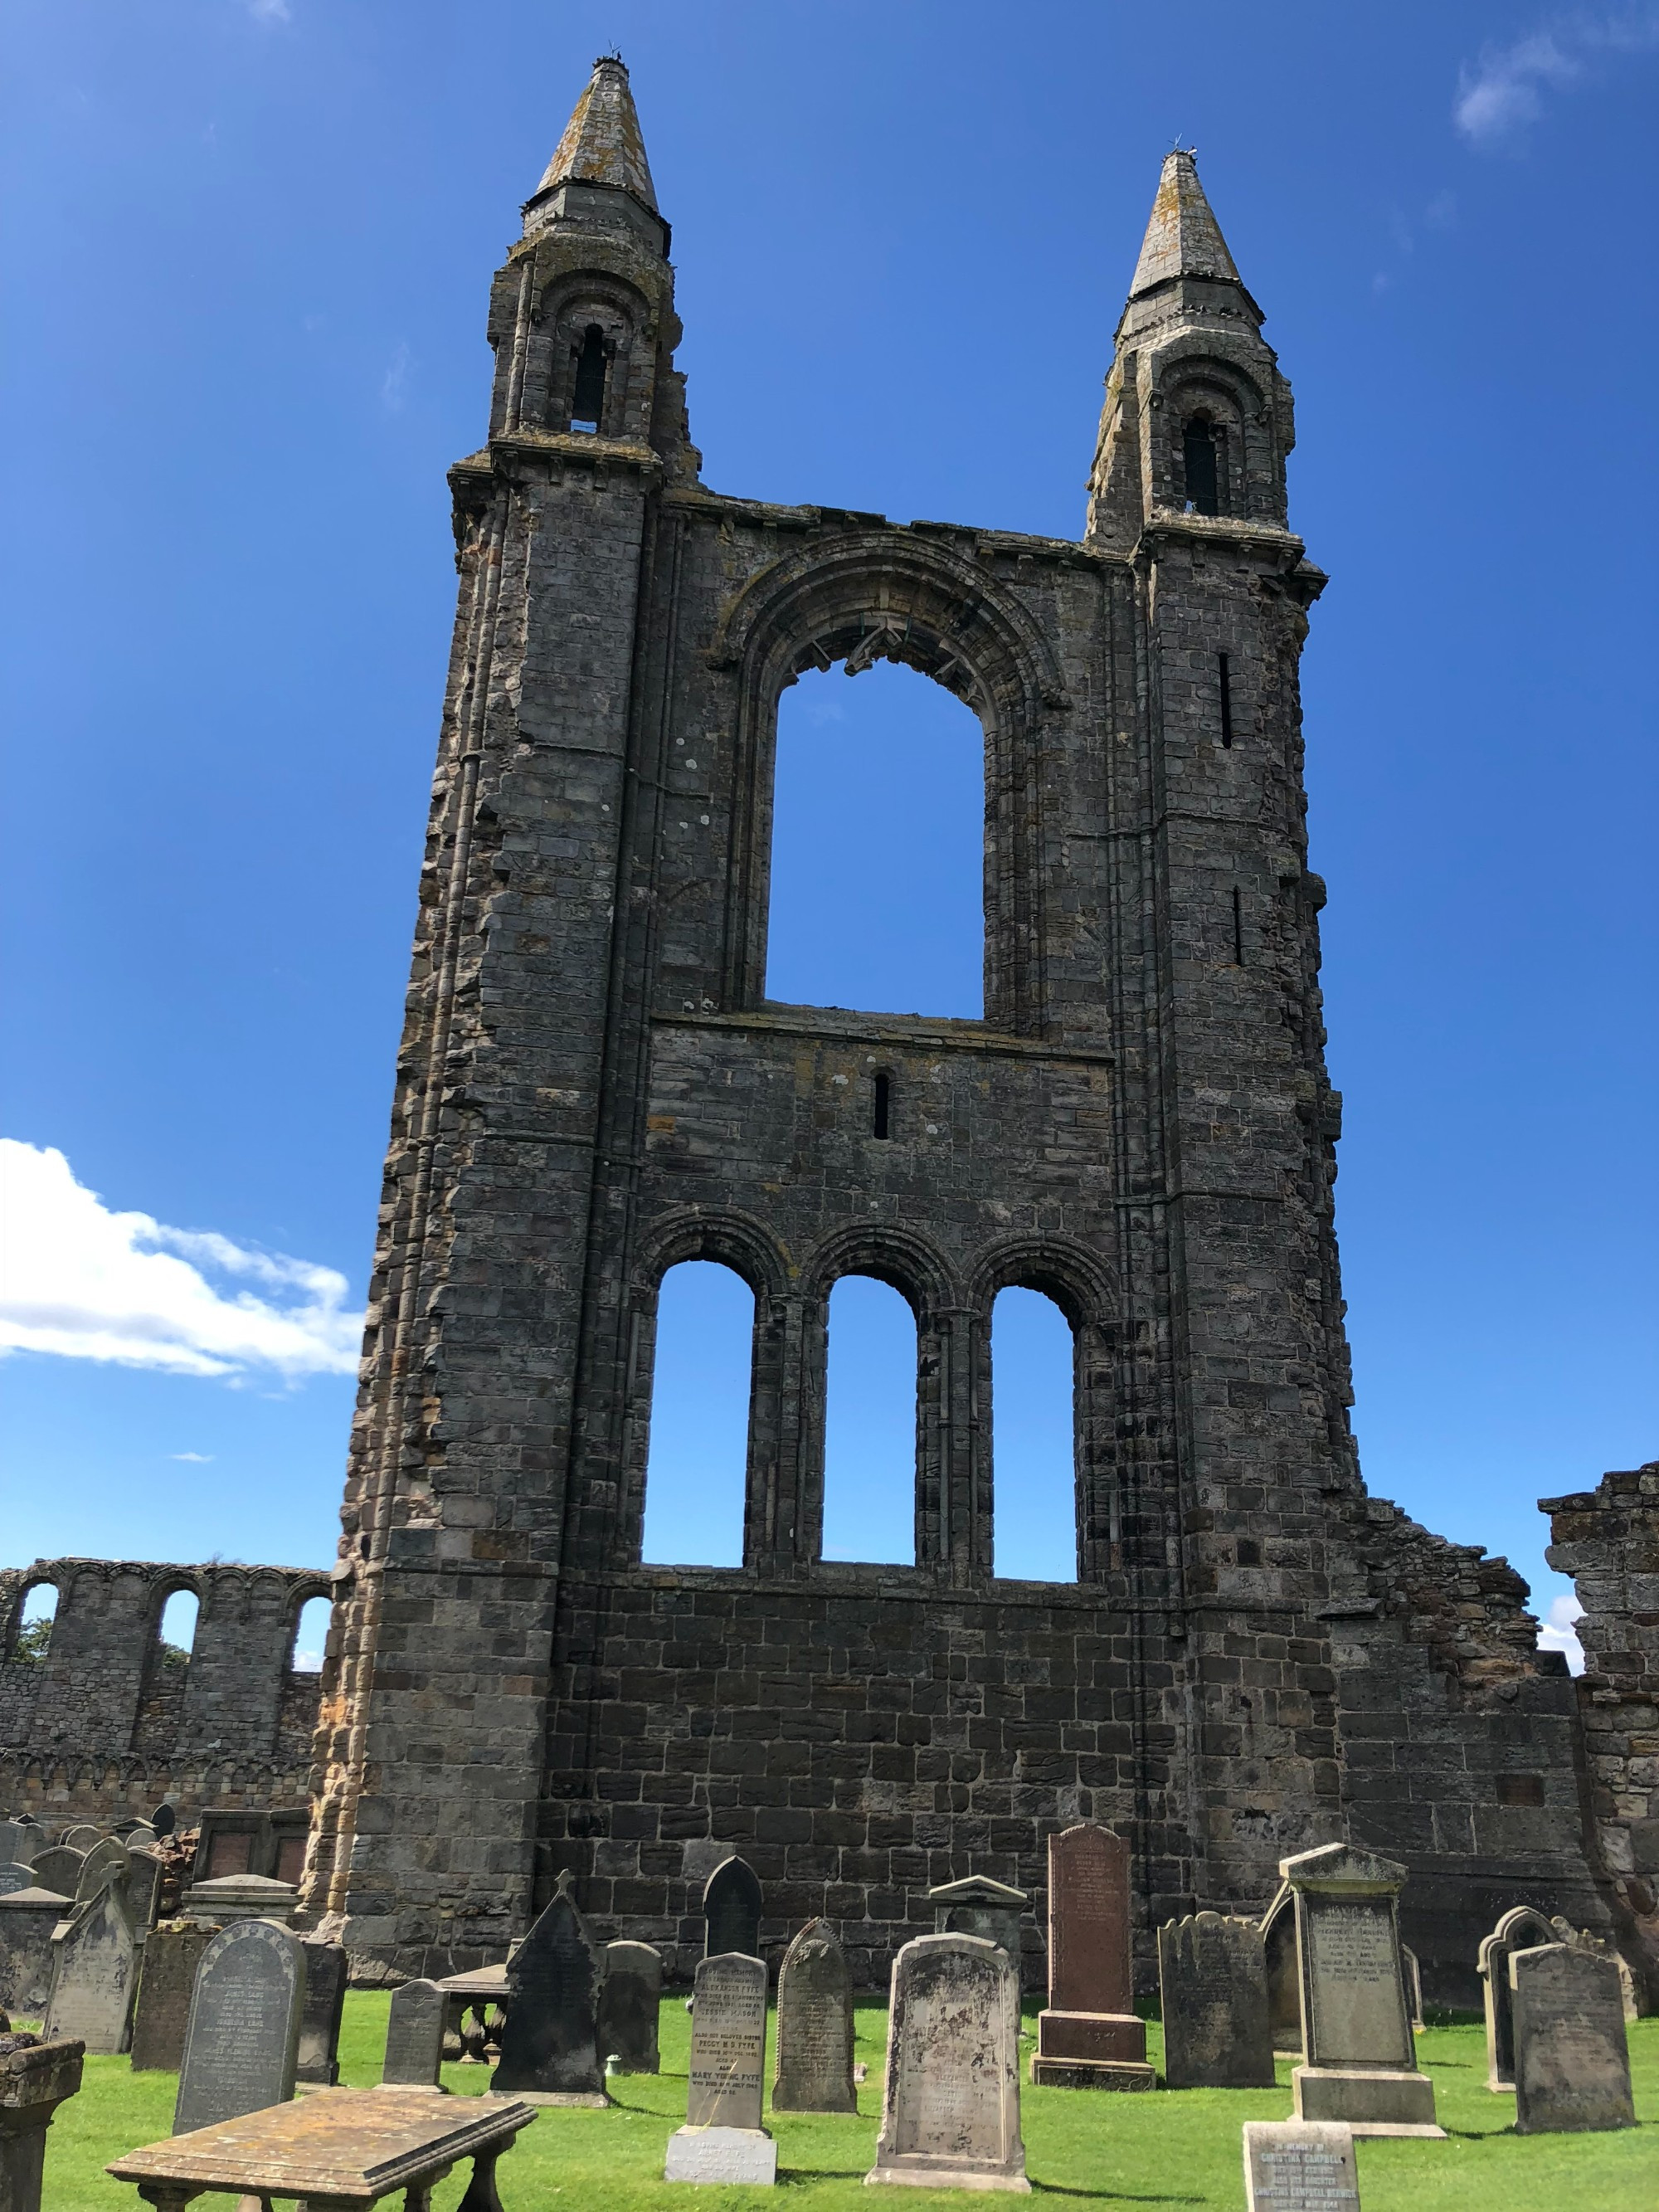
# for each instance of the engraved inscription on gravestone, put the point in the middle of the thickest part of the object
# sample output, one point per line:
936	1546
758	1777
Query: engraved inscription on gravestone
1299	2165
173	1951
951	2104
94	1973
814	2069
27	1920
1212	1975
1357	1985
415	2037
1571	2055
1088	2034
728	2042
242	2042
13	1876
630	2000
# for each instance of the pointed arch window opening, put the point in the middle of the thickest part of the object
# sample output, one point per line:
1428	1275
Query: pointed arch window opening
588	404
1201	458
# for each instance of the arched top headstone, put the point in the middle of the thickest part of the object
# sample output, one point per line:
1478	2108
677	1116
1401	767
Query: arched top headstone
732	1909
242	2042
164	1819
813	2072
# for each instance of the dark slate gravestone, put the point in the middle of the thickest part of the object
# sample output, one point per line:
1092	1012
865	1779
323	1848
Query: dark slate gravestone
15	1877
163	1820
415	2037
28	1918
326	1967
630	1998
1299	2165
95	1974
813	2071
1571	2057
732	1909
242	2041
950	2114
549	2045
1213	1977
146	1870
1521	1929
58	1868
171	1954
1089	2036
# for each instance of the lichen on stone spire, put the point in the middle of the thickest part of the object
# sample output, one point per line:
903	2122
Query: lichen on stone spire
1184	238
601	142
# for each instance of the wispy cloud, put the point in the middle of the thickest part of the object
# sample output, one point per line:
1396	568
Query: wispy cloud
1502	91
193	1459
82	1282
269	11
393	383
1557	1633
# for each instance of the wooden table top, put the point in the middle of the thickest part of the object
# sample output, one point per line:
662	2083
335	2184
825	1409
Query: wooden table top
353	2145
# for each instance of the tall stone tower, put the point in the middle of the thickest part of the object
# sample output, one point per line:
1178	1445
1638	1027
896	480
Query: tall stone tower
1253	1657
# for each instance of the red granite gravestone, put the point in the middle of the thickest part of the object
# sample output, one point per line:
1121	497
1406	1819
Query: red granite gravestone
1089	2038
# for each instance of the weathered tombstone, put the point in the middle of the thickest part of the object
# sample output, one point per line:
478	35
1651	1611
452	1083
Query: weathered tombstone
173	1951
1212	1975
95	1974
1283	1975
240	1897
732	1909
549	2047
106	1865
1299	2165
242	2041
13	1876
1088	2035
950	2108
136	1835
83	1836
163	1820
35	2079
142	1889
19	1842
415	2037
58	1868
28	1919
1360	2062
977	1905
1572	2056
1521	1929
723	2139
1413	1974
813	2068
630	1998
1580	1939
326	1969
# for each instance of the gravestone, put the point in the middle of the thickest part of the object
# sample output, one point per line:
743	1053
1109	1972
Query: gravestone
1299	2165
1088	2034
1580	1939
140	1892
1359	2064
950	2110
19	1842
550	2048
13	1876
813	2069
1212	1975
1413	1974
732	1909
240	1897
242	2039
1521	1929
630	1998
95	1974
1572	2056
35	2078
173	1951
327	1970
1284	1974
415	2037
83	1836
58	1868
105	1864
977	1905
723	2139
163	1820
28	1919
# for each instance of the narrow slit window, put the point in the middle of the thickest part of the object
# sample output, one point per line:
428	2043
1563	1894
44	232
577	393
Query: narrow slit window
1226	700
883	1106
1198	455
1238	928
587	407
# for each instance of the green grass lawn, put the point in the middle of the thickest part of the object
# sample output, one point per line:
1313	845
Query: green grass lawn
1172	2148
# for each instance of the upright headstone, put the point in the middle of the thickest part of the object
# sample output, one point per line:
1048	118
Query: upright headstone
1580	1939
242	2041
1360	2062
107	1863
1571	2057
977	1905
723	2139
1088	2035
19	1842
83	1835
950	2112
813	2069
1299	2165
27	1920
1283	1975
326	1969
163	1820
415	2037
35	2078
1521	1929
58	1868
95	1974
173	1951
631	1999
732	1909
13	1876
1413	1973
142	1890
240	1897
1212	1976
549	2045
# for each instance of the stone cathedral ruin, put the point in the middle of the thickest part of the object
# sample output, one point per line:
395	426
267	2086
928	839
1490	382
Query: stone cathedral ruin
1255	1656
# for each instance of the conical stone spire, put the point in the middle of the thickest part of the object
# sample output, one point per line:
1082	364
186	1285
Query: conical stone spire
601	142
1184	238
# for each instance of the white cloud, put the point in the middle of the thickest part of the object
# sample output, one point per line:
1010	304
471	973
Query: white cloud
269	11
84	1283
1557	1633
193	1459
1504	91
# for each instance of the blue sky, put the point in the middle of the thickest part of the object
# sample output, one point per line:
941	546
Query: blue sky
247	252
